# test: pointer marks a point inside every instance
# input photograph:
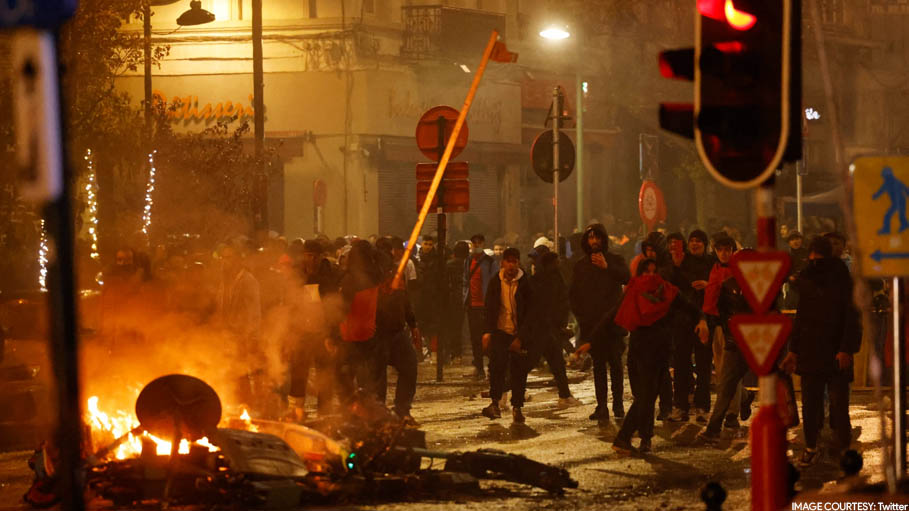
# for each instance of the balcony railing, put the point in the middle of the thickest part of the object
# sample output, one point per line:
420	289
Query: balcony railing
438	31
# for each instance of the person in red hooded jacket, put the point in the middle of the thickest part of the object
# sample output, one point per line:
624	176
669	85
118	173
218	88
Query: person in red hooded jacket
647	311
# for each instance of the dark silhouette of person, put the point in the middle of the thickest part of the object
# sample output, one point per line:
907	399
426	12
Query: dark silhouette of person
897	191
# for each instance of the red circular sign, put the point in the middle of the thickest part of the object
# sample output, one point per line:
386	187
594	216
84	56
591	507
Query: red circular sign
651	205
428	132
319	192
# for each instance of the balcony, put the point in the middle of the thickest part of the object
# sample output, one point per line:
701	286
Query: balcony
436	31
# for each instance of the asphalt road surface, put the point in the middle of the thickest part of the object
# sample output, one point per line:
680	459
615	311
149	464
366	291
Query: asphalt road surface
670	478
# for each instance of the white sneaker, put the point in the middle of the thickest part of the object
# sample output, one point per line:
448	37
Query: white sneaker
568	402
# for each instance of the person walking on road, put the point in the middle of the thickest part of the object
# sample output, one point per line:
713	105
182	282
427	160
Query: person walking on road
508	301
479	269
595	295
826	334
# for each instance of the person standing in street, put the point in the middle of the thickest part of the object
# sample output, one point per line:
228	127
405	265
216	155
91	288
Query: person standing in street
595	295
690	275
508	300
479	269
722	299
648	310
826	334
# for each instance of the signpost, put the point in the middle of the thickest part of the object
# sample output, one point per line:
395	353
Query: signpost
760	336
434	130
552	156
319	196
42	161
880	186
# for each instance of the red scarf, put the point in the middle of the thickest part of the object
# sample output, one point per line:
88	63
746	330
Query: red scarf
647	300
718	275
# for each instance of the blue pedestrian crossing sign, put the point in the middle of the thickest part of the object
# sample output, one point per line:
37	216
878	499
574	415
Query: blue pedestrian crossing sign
880	197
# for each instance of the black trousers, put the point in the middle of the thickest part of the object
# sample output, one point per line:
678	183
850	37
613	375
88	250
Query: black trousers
476	321
686	344
359	368
506	369
452	324
311	355
397	351
606	349
648	366
550	349
837	387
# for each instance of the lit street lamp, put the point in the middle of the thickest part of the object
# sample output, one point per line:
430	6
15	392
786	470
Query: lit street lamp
196	15
559	33
555	33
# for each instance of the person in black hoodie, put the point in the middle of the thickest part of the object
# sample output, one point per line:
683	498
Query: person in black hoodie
508	300
826	333
595	295
549	315
690	276
648	310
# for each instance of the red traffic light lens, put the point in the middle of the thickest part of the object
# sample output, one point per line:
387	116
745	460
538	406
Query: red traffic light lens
739	20
724	10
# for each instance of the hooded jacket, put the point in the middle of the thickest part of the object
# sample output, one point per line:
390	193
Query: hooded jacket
827	321
550	308
595	293
522	298
488	267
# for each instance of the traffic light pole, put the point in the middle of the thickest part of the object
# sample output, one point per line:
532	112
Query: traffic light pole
769	485
556	121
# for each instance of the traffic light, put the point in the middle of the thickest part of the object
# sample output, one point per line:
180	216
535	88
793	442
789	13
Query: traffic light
746	67
743	51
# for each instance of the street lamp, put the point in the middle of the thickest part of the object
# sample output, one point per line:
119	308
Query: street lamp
555	33
559	33
196	15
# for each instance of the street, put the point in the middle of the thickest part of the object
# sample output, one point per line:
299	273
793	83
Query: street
670	478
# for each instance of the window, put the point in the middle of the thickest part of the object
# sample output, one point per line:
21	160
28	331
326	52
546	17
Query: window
313	11
369	6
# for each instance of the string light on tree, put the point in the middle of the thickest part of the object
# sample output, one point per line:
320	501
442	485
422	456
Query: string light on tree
149	190
91	191
42	258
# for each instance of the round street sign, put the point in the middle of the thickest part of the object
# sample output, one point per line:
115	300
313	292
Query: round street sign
427	134
541	156
651	205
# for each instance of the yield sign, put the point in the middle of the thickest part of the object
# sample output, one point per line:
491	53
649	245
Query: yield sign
760	275
760	337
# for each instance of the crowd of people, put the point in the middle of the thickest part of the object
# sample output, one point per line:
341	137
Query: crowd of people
669	307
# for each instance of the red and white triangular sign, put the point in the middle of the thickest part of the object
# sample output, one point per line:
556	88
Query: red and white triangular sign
760	275
760	337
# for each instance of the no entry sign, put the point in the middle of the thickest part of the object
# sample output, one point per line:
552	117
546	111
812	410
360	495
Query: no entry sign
651	205
428	137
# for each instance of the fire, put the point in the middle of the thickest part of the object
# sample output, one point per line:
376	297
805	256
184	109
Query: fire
247	420
108	427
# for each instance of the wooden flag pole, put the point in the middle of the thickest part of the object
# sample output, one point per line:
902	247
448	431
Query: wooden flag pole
440	170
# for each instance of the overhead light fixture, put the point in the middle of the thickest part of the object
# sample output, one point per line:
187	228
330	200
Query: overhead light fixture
464	68
555	33
196	15
812	114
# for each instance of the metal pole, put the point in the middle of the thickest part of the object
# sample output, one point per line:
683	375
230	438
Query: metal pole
798	195
579	138
260	182
441	226
146	26
556	120
899	422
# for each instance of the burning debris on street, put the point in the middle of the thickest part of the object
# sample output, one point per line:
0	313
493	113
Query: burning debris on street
365	454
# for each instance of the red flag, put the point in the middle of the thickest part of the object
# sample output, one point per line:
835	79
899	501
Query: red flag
501	54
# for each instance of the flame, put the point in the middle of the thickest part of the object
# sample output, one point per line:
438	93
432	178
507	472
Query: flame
107	427
248	421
